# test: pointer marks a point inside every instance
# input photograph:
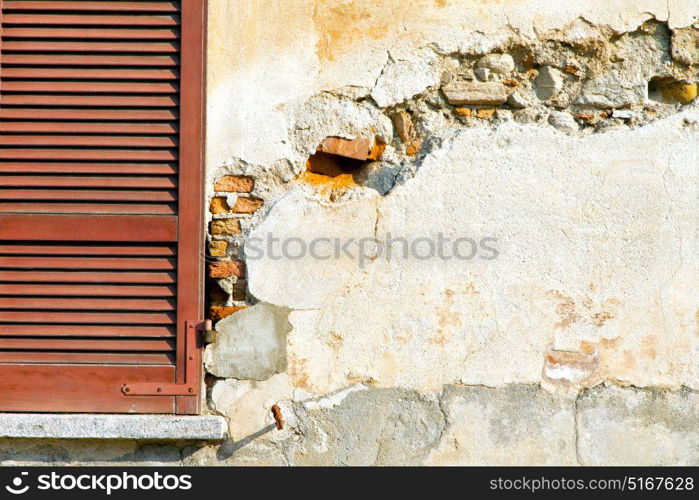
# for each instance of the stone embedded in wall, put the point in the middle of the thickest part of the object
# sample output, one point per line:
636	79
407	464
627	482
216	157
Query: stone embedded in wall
518	100
250	345
404	126
225	227
218	248
514	425
563	121
235	184
685	45
405	78
234	268
247	205
379	176
612	90
497	63
548	82
459	93
628	426
483	74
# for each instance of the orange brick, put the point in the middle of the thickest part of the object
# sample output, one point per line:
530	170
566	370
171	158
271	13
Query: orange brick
246	205
225	227
359	148
217	313
220	270
219	206
218	248
463	111
235	184
485	113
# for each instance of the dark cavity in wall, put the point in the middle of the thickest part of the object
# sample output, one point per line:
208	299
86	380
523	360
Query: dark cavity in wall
345	163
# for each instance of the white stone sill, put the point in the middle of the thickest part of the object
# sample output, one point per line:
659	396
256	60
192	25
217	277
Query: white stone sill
131	427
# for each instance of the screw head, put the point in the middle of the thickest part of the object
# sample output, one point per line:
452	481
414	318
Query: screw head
191	389
160	389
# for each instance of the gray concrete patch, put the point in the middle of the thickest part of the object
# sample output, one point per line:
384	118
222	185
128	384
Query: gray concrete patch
513	425
366	427
629	426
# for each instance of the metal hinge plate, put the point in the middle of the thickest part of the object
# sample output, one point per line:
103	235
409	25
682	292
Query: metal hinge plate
191	378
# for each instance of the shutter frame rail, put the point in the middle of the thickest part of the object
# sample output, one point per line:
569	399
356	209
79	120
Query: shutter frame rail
195	332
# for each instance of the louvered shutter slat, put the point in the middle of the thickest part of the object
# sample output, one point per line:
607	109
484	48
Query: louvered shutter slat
87	331
90	152
85	290
87	6
89	168
107	47
84	277
91	34
91	87
90	20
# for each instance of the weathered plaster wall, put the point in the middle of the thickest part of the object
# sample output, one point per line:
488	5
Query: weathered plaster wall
555	144
578	344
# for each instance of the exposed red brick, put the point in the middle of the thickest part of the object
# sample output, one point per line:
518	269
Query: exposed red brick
327	164
235	184
359	148
221	270
247	205
225	227
219	206
239	291
218	248
217	313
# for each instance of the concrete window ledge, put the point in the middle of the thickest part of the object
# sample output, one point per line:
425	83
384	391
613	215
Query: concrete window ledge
139	427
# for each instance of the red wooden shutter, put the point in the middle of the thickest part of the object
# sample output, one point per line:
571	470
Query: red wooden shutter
100	205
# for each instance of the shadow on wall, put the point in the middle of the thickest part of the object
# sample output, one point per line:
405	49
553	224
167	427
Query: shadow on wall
229	448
